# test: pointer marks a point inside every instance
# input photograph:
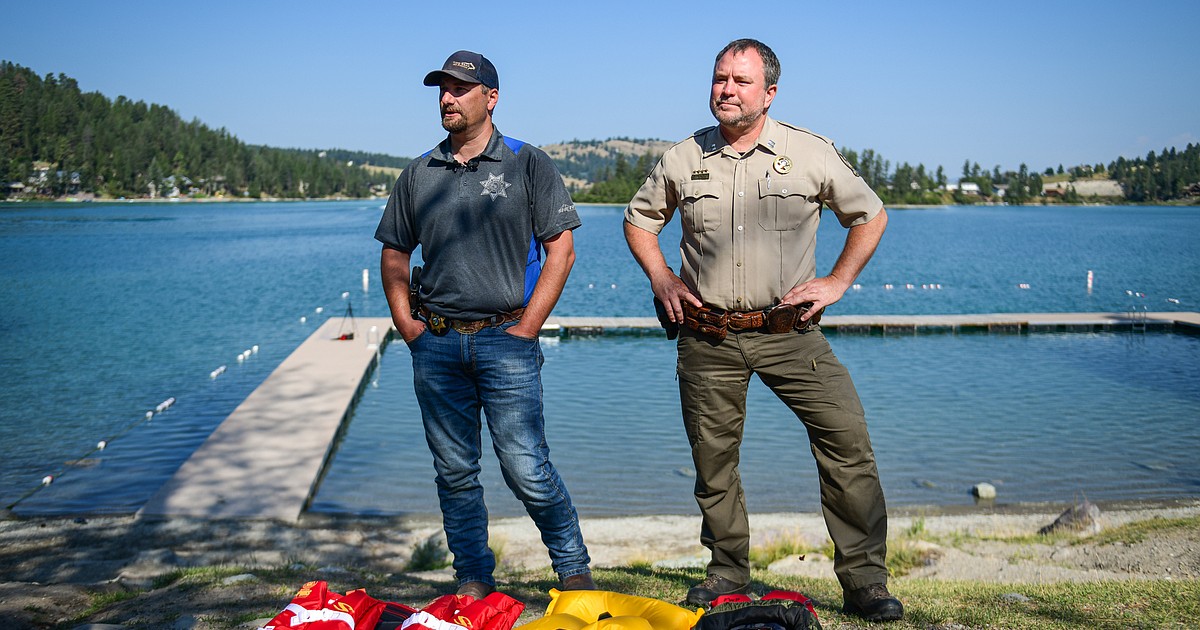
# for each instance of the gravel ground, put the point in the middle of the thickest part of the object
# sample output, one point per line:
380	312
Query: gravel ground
51	570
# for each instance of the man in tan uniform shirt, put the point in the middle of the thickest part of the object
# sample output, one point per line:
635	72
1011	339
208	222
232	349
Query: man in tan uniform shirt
750	192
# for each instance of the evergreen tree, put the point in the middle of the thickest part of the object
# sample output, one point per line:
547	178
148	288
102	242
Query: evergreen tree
57	140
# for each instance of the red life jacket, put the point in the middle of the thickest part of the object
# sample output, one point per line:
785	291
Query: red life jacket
497	611
315	607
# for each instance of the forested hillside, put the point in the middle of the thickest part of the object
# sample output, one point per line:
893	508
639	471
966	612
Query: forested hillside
1171	176
56	140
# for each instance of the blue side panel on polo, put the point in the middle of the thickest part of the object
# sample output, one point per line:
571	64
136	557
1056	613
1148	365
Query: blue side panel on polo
533	264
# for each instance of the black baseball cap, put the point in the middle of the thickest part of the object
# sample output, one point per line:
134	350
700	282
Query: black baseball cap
465	65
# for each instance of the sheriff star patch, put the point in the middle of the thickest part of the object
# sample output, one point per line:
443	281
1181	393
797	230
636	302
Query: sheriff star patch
495	186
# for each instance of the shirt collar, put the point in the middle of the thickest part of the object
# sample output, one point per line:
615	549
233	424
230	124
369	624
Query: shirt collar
491	152
771	136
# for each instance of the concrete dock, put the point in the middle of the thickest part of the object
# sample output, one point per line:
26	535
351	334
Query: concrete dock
266	459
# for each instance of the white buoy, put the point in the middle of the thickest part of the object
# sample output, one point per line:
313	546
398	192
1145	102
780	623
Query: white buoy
149	414
303	319
888	287
1089	282
320	308
101	444
345	294
241	357
47	480
1173	300
254	349
366	280
856	287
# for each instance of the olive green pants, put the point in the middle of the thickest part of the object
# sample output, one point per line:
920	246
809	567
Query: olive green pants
801	369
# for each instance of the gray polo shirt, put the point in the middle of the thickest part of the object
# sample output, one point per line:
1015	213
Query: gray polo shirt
480	225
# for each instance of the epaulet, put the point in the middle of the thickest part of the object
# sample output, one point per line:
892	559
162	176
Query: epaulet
807	131
696	138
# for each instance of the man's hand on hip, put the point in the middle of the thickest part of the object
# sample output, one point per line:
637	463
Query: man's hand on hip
671	291
822	292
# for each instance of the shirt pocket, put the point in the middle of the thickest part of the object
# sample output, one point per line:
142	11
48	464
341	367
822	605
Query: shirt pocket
785	202
700	202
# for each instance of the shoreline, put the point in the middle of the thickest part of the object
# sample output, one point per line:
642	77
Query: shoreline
103	546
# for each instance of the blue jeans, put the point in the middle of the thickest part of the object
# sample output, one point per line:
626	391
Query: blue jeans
457	376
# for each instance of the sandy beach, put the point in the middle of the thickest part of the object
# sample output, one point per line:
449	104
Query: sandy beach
52	570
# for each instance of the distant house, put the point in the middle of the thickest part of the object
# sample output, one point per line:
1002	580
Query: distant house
1193	190
968	188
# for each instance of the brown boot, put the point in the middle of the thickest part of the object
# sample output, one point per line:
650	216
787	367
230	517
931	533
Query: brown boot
478	590
713	587
580	582
872	602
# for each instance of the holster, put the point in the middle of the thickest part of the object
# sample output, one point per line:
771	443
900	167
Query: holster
660	310
414	292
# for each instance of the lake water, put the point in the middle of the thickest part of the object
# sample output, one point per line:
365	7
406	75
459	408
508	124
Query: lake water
110	309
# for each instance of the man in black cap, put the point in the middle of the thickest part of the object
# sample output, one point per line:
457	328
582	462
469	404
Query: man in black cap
483	208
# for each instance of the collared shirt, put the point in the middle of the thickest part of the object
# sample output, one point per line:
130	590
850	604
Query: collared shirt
480	225
750	220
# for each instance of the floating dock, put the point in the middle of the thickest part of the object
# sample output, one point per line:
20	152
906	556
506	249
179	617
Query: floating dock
265	461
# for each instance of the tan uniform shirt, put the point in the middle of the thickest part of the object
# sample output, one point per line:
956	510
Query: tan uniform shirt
750	220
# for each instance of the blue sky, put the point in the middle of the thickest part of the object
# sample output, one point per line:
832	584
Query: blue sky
936	83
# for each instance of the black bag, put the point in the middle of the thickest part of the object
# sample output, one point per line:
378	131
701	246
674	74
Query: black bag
761	614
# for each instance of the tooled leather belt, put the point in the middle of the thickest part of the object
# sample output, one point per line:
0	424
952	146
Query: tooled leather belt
716	322
439	324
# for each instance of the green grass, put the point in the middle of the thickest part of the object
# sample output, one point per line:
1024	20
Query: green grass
936	603
904	552
1138	531
929	604
429	555
1128	533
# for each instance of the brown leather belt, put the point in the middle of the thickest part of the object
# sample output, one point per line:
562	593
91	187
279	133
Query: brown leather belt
438	324
717	323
